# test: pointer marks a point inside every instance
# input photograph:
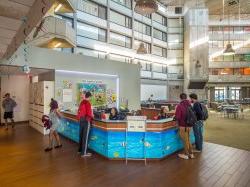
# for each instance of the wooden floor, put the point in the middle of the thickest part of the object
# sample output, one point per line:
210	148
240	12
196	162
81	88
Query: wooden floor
24	163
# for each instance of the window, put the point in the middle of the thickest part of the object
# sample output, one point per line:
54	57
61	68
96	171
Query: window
159	68
119	58
220	93
126	3
235	93
138	42
90	52
69	21
93	9
160	19
145	66
159	51
120	19
120	40
142	28
92	32
160	35
68	50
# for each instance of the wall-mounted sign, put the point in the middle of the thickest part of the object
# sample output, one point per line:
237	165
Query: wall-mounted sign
67	95
136	123
93	81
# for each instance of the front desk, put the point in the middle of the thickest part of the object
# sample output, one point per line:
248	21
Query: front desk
108	138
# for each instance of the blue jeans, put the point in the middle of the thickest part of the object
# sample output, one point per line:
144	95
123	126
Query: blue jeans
197	128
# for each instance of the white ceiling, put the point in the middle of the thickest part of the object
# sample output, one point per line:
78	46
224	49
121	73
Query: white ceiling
214	6
15	70
12	14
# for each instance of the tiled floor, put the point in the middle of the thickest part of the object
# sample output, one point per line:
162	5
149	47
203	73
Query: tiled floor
24	163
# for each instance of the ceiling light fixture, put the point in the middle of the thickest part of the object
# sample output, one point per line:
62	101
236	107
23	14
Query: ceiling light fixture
229	49
58	7
145	7
57	45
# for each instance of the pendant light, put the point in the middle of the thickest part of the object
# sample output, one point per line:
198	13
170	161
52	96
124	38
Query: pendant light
145	7
229	49
142	49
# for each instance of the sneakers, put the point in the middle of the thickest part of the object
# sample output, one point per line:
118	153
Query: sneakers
58	146
48	149
86	155
191	156
183	156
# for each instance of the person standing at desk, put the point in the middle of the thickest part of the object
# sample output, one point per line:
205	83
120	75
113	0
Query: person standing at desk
113	114
163	114
85	116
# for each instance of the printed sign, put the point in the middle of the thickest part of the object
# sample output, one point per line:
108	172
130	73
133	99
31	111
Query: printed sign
67	95
136	123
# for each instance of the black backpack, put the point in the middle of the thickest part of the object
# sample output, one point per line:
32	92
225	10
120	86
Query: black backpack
191	118
204	112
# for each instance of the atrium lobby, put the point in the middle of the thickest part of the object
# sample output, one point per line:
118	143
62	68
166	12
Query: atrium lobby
125	93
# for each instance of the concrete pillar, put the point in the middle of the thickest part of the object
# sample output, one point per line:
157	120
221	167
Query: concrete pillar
196	49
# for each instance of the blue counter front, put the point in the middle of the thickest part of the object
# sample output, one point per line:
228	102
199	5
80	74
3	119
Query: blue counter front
108	138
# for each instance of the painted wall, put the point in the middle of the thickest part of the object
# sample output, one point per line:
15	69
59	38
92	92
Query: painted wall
129	74
18	87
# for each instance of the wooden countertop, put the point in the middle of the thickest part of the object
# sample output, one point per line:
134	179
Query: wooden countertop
118	125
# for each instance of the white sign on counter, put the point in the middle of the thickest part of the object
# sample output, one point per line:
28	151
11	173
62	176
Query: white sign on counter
67	95
136	123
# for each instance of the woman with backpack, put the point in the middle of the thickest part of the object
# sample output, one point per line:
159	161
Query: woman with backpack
54	116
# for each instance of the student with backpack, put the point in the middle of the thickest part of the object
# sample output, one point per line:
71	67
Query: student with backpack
201	115
185	119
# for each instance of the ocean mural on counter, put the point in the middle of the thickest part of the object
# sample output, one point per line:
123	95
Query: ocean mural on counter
112	144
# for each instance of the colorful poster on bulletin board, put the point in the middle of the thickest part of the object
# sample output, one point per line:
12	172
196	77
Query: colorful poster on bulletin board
98	93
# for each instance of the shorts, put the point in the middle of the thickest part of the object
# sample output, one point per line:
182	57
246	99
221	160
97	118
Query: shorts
8	115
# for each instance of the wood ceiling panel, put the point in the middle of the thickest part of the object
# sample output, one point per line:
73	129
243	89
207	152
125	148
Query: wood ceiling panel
6	33
5	41
24	2
13	10
9	23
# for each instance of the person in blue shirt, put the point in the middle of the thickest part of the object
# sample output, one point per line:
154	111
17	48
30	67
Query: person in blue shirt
114	115
197	128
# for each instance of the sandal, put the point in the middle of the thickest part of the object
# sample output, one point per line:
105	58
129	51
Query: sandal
58	146
48	149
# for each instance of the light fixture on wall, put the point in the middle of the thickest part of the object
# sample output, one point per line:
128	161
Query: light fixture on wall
145	7
229	49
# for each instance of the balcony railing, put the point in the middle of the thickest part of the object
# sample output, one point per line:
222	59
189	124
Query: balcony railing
229	78
231	64
55	32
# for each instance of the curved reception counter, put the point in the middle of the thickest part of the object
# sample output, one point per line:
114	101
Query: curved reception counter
111	140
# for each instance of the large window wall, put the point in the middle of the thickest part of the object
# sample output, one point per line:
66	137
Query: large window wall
88	31
121	40
120	19
93	8
162	36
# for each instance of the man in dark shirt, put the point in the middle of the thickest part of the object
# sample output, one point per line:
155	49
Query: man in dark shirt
197	128
8	105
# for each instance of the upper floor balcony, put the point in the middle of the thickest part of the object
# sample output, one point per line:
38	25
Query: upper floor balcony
231	64
228	78
54	32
